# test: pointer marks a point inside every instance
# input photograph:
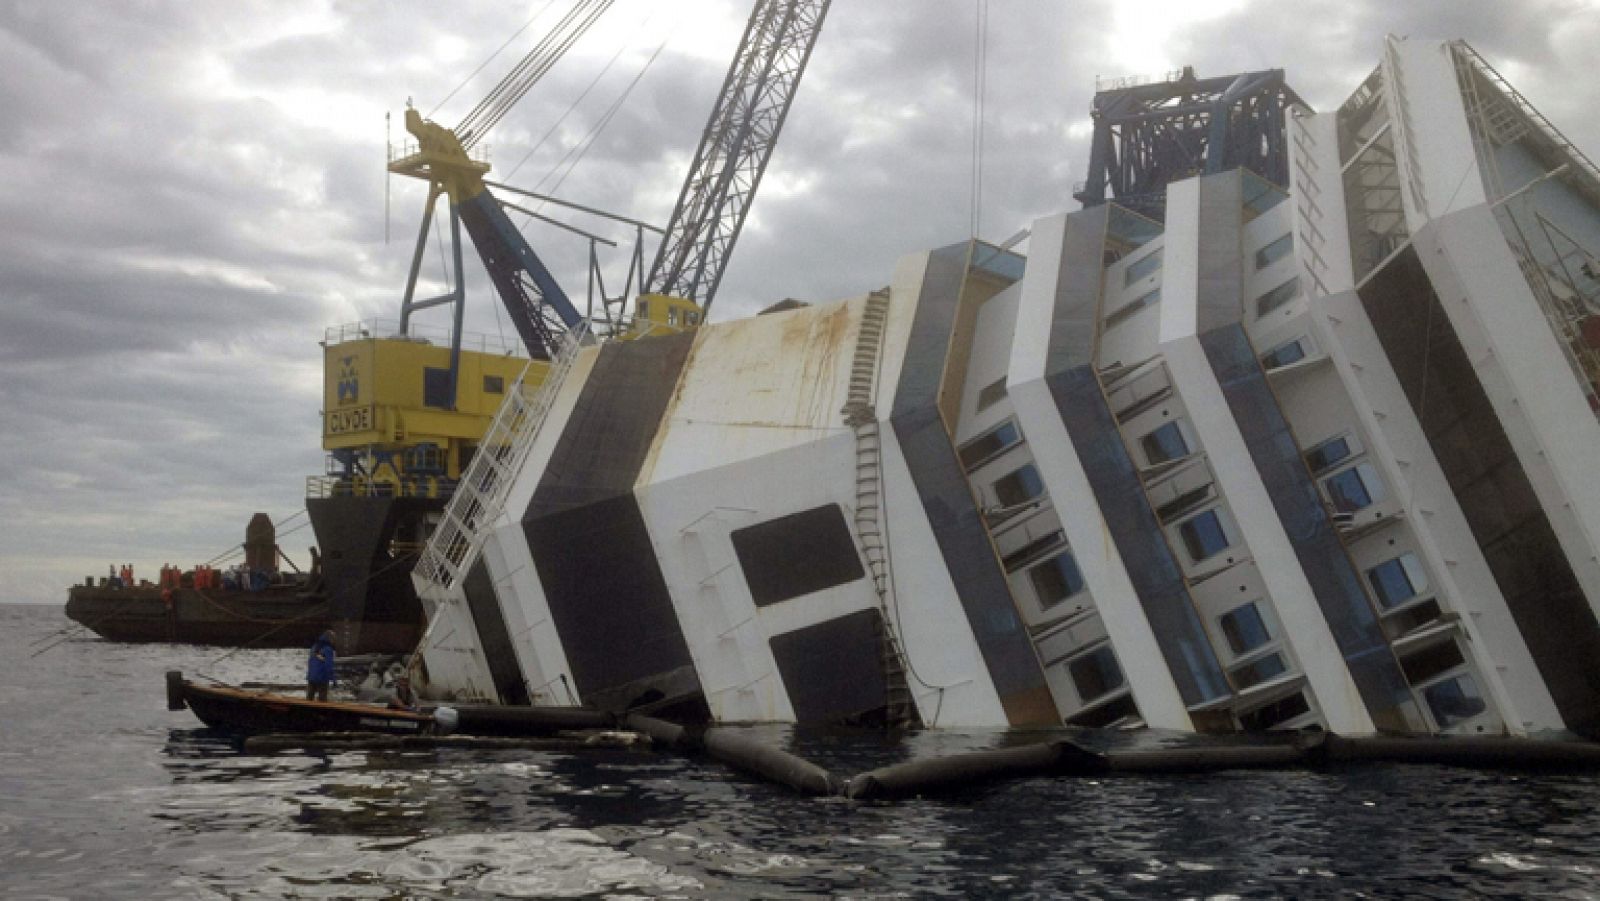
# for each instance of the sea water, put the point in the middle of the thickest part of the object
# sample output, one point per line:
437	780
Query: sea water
104	793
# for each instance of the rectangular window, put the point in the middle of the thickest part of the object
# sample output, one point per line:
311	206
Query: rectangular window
1258	671
1095	674
1142	267
1203	536
1278	712
642	310
1031	551
1402	622
1245	629
1398	580
1018	487
797	554
987	445
991	393
1274	252
1165	443
1056	579
1284	354
1454	700
1106	714
437	388
1278	296
1328	453
1354	489
1125	312
494	384
1185	502
1433	660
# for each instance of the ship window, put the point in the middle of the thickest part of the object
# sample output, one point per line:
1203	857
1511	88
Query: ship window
1401	622
1284	354
1398	580
1354	489
1185	502
1165	443
1245	629
1276	713
797	554
1258	671
1125	312
1056	579
1454	700
1329	452
1203	536
672	315
1274	252
1018	487
988	444
1431	661
690	318
1031	551
1142	267
642	310
1106	714
494	384
436	388
1095	674
991	394
1278	296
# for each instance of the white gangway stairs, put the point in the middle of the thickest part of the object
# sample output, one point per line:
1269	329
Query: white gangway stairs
478	504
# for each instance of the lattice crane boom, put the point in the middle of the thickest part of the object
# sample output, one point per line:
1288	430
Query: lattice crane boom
735	148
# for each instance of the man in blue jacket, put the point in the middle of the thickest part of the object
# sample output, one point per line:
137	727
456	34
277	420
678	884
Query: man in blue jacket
319	668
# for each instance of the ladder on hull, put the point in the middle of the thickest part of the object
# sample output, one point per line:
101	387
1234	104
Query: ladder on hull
859	414
481	496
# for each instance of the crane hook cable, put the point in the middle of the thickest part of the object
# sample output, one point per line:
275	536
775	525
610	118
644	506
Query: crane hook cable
586	91
528	60
489	59
544	55
588	142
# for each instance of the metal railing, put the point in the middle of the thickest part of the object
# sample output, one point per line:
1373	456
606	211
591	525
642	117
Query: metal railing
481	494
320	487
1545	127
478	153
389	329
1119	82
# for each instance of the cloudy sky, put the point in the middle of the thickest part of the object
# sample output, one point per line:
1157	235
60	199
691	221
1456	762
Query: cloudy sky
195	190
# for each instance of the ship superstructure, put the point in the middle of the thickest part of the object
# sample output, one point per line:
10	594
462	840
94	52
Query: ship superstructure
1248	455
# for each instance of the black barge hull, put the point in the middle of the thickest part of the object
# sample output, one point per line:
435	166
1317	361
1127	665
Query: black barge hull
279	617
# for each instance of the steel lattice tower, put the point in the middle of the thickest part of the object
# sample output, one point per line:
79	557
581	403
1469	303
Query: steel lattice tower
1148	135
735	147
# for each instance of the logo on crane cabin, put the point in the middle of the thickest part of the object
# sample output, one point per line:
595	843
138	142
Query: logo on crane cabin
349	386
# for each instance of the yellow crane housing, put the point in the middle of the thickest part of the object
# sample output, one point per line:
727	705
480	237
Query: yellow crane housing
388	418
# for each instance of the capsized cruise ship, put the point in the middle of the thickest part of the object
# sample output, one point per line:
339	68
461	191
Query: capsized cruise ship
1297	430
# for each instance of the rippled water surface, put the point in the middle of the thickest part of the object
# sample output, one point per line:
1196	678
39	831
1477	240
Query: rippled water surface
104	793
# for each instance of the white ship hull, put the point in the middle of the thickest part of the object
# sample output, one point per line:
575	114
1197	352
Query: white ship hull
1310	456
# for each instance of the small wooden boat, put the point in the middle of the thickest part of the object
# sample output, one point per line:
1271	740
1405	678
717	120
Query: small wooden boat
242	711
